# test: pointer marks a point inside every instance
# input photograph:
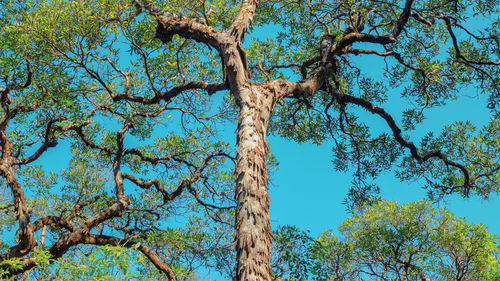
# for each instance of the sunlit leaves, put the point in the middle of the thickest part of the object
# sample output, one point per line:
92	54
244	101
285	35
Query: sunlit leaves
389	233
386	240
101	263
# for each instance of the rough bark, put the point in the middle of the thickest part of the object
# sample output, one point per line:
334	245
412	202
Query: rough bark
26	229
253	228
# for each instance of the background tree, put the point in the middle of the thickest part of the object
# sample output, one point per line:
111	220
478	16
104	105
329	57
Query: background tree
95	76
390	241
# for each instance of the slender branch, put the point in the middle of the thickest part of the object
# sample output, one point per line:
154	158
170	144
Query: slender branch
49	141
29	78
157	184
458	53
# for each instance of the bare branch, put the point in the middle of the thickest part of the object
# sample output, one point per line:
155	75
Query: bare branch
244	19
168	96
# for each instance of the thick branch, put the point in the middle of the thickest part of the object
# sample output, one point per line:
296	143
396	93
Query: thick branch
53	220
303	88
62	245
244	19
170	24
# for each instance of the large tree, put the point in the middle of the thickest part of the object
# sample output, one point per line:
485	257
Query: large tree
93	74
421	44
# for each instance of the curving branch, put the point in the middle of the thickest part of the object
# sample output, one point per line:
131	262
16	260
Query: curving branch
27	83
167	196
397	133
329	64
168	96
183	185
458	53
49	141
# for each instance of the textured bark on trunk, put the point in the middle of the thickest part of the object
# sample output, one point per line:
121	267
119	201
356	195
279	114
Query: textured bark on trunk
26	230
253	228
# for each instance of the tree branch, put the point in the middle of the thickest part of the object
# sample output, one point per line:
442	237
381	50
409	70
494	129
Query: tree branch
170	24
243	20
397	133
458	53
168	96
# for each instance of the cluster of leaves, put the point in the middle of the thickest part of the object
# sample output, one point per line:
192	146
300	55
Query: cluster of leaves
98	263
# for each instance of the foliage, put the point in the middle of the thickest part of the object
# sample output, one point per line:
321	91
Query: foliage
390	241
80	58
101	263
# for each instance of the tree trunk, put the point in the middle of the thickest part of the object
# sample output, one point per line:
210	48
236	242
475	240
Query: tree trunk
253	228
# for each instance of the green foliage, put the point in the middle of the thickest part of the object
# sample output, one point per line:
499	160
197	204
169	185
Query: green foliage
10	263
425	74
100	263
387	240
461	141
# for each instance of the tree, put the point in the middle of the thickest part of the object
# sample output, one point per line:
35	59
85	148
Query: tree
390	241
76	79
339	26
